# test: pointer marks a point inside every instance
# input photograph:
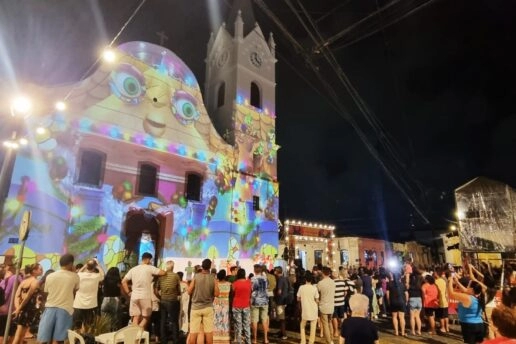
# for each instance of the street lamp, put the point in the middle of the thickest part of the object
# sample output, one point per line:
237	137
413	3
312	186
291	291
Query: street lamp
109	55
20	108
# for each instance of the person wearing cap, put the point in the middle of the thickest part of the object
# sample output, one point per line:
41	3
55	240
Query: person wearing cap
168	289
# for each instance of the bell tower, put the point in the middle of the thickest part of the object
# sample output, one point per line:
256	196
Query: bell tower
240	68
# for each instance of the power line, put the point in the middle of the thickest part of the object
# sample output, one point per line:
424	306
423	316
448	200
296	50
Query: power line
361	104
376	29
88	71
336	100
353	27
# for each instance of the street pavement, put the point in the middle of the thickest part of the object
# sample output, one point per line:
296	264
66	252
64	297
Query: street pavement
385	330
386	334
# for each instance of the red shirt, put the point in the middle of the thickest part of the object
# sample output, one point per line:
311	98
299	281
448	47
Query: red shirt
241	293
430	296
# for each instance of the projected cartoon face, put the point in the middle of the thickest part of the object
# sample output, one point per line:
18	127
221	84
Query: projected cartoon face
184	107
154	124
127	83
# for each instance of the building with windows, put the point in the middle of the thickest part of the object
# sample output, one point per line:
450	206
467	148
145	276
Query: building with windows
307	244
134	163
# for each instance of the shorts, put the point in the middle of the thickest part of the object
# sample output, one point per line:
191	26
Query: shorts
430	312
83	316
54	325
415	303
3	323
280	312
201	316
472	333
339	311
141	307
259	313
441	313
397	308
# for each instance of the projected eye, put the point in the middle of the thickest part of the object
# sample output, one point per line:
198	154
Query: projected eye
184	107
127	83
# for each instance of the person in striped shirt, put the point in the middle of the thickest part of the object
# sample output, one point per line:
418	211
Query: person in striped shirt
339	308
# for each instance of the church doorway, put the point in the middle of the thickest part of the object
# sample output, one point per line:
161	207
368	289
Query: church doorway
142	229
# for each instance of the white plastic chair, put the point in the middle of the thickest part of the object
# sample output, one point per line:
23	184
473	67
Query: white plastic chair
128	335
73	336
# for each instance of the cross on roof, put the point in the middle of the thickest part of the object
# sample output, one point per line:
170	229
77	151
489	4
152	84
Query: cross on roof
162	37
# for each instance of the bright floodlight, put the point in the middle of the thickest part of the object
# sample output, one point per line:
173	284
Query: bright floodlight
392	263
453	227
109	55
21	105
11	144
24	141
41	130
60	106
460	214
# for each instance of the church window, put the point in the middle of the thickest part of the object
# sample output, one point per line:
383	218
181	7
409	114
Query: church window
147	179
193	186
91	168
221	94
256	99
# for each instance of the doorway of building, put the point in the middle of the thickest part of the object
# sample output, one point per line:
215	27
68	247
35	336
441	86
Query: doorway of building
142	234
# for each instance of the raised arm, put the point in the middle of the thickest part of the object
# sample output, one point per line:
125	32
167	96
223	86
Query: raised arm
472	269
463	298
101	270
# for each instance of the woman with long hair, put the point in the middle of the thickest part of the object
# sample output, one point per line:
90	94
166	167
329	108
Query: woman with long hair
221	310
471	308
27	311
397	297
415	301
111	291
430	296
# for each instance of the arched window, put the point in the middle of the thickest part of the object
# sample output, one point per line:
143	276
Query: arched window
147	179
221	94
91	167
193	186
256	97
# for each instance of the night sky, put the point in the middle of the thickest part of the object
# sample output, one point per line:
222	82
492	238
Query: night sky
440	83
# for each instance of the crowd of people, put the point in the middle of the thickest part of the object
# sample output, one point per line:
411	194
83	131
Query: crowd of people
211	306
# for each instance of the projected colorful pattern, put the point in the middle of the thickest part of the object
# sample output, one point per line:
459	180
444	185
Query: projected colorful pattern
145	109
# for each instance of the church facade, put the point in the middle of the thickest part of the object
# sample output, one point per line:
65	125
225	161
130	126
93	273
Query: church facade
141	162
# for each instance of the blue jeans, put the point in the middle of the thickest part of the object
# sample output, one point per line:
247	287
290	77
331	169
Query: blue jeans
242	318
169	313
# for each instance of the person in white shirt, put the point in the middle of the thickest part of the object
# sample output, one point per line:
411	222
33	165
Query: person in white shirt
326	288
308	295
57	316
141	276
86	301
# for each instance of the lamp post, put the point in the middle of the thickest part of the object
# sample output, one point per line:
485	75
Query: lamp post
19	109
